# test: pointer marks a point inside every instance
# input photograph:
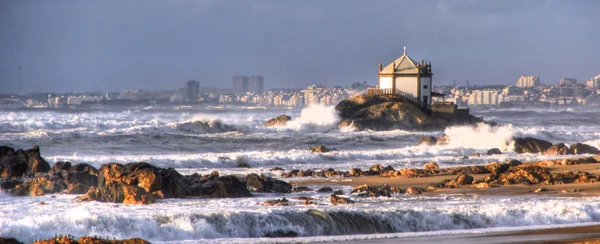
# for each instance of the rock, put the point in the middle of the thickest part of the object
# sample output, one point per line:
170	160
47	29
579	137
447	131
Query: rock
38	186
8	184
280	120
301	189
118	192
335	200
161	182
427	141
476	155
220	187
570	190
414	190
17	163
276	202
68	239
540	190
388	112
513	162
557	149
373	191
321	149
338	192
431	166
277	169
430	188
580	148
494	151
355	172
78	188
459	181
58	166
375	169
281	233
482	185
256	183
443	140
497	168
8	240
325	189
530	145
243	165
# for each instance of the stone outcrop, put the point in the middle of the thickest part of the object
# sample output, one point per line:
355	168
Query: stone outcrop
321	149
431	166
160	182
336	200
557	149
118	192
38	186
494	151
277	202
387	112
580	148
16	163
531	145
68	239
376	191
427	141
256	183
280	120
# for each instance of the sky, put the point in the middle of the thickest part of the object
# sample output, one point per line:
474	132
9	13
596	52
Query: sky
112	45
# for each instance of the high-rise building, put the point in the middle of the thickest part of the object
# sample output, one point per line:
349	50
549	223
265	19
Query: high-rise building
256	84
240	84
528	81
594	82
192	89
567	82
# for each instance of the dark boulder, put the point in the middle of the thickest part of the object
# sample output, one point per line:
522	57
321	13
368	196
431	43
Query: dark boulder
221	187
373	191
427	141
325	189
580	148
256	183
335	200
118	192
17	163
161	182
531	145
557	149
280	120
494	151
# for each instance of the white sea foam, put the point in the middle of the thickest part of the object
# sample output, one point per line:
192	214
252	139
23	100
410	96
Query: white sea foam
314	118
197	219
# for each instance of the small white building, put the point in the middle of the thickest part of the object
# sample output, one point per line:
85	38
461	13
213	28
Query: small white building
408	76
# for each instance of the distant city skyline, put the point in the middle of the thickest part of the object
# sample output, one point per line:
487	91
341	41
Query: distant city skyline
158	45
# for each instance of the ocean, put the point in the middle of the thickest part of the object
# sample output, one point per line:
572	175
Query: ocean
203	140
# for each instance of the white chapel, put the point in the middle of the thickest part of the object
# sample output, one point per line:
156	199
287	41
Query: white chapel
408	76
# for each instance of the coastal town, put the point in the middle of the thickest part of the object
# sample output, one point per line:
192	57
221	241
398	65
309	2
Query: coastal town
246	92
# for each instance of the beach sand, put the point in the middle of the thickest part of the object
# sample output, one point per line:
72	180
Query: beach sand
579	234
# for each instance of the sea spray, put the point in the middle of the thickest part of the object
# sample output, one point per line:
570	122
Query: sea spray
315	118
481	136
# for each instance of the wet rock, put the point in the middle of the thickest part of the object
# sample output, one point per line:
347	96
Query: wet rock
540	190
58	166
513	162
431	166
256	183
494	151
335	200
243	165
443	140
375	169
430	188
580	148
570	190
427	141
373	191
557	149
8	240
78	188
161	182
482	185
280	120
221	187
276	202
281	233
321	149
497	168
325	189
301	189
38	186
8	184
408	172
459	181
476	155
118	192
17	163
355	172
414	190
277	169
531	145
338	192
68	239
